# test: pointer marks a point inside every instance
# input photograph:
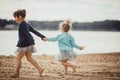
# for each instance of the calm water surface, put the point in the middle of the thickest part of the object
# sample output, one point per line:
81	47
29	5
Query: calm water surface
94	41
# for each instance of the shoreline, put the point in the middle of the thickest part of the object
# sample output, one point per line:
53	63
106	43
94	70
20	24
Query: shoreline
95	53
104	66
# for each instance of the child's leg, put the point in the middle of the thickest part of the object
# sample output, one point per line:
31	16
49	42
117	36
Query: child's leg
66	63
65	66
66	69
18	65
72	66
33	62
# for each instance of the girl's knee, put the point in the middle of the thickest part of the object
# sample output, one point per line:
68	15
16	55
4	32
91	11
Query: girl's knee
29	59
18	58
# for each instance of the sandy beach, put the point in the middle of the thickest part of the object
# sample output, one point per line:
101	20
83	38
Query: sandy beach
100	66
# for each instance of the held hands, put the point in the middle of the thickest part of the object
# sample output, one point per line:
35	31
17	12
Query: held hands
82	47
44	39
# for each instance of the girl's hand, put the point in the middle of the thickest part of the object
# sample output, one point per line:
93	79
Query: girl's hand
44	39
82	47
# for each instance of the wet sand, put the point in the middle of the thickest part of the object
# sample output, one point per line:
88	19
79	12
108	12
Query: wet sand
100	66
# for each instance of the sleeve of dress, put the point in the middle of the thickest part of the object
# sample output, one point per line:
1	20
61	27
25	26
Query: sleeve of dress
36	32
52	39
74	44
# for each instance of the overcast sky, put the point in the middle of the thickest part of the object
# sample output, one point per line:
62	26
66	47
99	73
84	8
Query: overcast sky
77	10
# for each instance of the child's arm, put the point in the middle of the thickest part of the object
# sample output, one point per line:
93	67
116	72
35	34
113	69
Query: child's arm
36	32
75	45
53	39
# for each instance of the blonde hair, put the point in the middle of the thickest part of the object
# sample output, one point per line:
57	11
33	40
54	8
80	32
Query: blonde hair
65	25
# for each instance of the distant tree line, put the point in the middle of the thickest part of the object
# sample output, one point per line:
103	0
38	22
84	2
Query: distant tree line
4	22
106	25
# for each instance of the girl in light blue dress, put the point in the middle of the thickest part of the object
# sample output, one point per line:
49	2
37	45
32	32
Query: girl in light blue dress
66	44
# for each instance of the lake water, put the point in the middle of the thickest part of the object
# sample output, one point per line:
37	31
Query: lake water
94	41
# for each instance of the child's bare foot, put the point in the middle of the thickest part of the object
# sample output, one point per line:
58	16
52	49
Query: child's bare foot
74	69
15	75
40	72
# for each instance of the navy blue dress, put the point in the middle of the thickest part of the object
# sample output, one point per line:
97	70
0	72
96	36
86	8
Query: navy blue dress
25	38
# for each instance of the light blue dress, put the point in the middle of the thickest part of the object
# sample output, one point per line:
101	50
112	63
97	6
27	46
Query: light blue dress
66	43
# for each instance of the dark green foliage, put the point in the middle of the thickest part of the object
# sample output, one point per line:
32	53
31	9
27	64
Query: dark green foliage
106	25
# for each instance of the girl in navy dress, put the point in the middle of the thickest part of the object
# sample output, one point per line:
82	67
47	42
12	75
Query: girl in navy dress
25	43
